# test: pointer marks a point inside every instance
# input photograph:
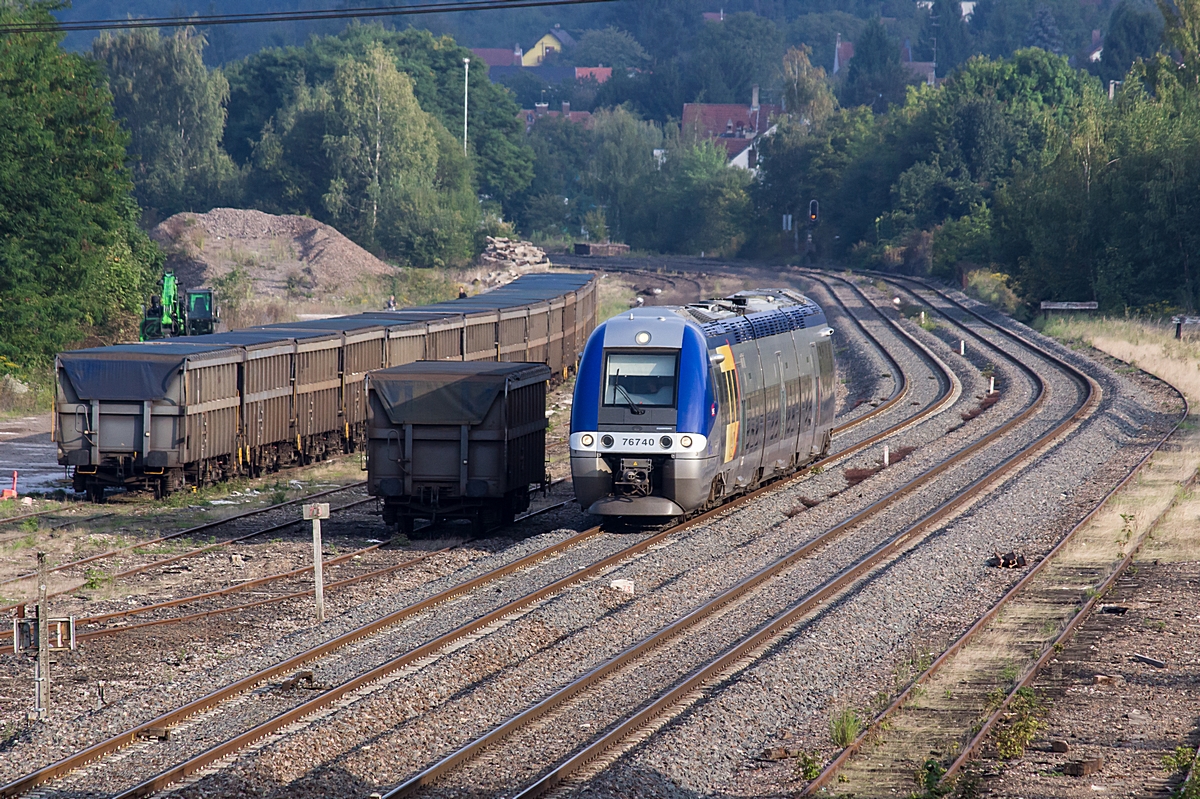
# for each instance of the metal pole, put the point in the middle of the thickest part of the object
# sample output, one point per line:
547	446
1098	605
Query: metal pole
318	571
466	75
43	642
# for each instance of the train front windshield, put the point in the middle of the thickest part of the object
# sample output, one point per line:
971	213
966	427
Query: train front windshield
640	379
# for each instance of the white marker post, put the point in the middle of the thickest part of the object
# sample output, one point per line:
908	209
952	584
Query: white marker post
887	456
962	347
316	511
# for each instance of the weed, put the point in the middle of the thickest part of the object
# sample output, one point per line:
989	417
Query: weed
949	694
1009	673
24	542
1091	593
816	470
29	526
929	775
808	765
1155	624
1020	725
1049	627
844	728
1180	760
995	698
95	578
278	497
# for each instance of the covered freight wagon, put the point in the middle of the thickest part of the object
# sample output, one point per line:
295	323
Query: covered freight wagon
455	440
140	415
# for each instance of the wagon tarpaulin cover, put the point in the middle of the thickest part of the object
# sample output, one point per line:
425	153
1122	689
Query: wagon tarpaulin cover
447	392
136	372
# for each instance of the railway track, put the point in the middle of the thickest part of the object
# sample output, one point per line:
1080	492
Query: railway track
284	594
413	655
1041	593
189	532
538	721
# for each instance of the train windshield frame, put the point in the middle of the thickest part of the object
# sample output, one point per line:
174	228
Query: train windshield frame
641	379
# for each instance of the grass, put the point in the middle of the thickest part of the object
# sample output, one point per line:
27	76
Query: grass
844	727
1181	759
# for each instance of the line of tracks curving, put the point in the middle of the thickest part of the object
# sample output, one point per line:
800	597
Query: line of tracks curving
688	654
309	656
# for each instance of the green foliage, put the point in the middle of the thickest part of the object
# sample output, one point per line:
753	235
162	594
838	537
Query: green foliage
73	264
844	727
875	77
1182	759
806	92
174	108
1020	725
1135	30
808	765
263	85
609	47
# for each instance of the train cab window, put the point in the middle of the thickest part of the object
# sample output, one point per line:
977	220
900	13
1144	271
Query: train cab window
641	378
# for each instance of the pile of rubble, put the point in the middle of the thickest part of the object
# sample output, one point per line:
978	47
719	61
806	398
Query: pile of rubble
510	255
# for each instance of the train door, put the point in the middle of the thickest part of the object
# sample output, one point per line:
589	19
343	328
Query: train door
729	396
789	444
828	373
750	367
808	413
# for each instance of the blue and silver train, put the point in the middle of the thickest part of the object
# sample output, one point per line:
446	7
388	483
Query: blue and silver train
678	409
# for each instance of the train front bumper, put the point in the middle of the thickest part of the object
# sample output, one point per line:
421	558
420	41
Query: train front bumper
682	480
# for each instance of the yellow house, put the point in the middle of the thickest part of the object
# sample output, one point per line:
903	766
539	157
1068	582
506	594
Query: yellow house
555	41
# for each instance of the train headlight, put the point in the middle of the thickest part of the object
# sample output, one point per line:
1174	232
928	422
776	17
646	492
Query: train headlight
607	441
587	439
665	441
686	441
642	337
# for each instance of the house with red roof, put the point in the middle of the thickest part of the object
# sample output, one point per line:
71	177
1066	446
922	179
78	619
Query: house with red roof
530	116
498	56
735	127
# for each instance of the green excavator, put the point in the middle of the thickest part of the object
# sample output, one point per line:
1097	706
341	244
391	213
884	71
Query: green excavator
195	314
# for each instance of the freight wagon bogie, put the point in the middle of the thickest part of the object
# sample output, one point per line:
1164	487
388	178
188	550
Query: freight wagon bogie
678	410
454	440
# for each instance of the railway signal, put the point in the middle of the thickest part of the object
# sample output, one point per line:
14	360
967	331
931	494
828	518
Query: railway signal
814	212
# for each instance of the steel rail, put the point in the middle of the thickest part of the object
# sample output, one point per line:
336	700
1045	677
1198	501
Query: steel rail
205	758
113	743
764	634
189	554
260	581
830	771
447	764
972	748
89	620
177	534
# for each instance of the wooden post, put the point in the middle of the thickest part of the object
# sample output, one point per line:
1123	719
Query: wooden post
318	511
43	641
318	571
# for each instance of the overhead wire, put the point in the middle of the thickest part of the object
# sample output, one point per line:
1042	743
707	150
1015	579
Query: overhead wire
205	20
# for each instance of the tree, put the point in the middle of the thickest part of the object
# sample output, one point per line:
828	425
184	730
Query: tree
174	108
731	57
1135	30
806	92
1182	31
622	157
263	83
875	77
609	47
73	264
945	37
1043	32
384	141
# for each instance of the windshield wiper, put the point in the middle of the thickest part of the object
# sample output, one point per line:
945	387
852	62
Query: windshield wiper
635	410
